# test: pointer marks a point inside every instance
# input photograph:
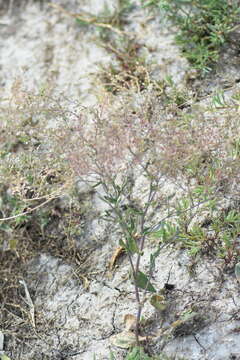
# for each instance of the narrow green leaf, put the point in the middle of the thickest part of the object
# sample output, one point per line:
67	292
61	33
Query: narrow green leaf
82	22
110	199
170	197
147	230
132	225
97	184
136	211
143	282
153	258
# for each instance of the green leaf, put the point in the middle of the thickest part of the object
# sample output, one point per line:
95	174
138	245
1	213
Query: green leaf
232	216
132	245
82	22
134	210
166	232
4	357
143	282
110	199
112	357
137	353
97	184
218	99
153	258
147	230
123	244
132	225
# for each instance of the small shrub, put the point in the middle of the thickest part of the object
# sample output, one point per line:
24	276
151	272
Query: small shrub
109	148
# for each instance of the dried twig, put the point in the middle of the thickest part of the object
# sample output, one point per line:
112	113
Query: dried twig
88	19
29	303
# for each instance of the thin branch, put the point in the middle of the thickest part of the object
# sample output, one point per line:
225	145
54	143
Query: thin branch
35	207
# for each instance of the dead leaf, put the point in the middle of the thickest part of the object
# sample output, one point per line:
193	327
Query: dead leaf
130	322
117	253
29	302
126	339
85	281
159	302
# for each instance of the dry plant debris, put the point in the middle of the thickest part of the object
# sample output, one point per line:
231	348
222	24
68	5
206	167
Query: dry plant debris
127	338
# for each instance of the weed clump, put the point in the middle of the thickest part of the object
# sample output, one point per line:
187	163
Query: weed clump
112	146
204	28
